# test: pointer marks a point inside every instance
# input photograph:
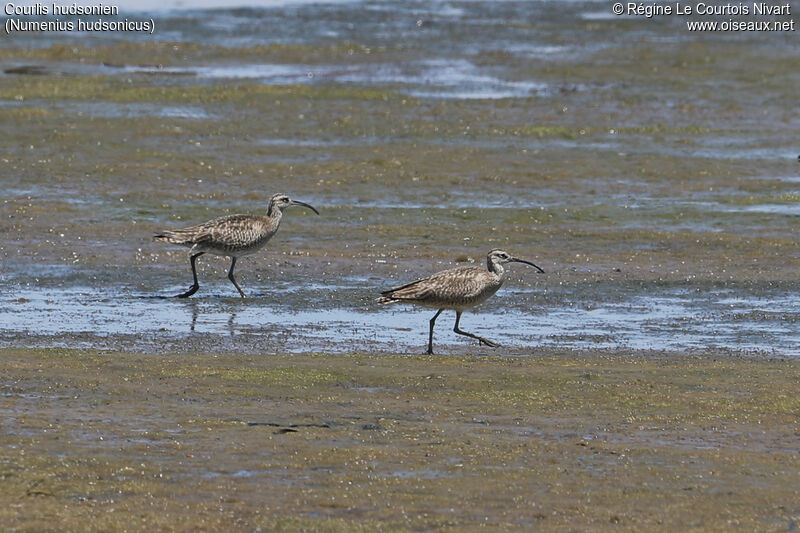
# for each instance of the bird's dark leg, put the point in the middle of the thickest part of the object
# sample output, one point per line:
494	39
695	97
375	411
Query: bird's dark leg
193	288
430	335
482	340
230	277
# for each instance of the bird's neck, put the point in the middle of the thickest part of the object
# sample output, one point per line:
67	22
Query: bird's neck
496	269
274	213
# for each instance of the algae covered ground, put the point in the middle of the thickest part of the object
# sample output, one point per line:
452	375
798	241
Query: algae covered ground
554	440
657	185
648	381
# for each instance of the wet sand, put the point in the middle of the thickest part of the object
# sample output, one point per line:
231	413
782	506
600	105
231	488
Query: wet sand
555	440
663	212
647	381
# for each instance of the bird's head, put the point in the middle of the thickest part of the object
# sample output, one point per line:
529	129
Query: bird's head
281	201
500	257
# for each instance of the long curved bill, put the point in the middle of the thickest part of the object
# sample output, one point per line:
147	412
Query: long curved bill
295	202
515	260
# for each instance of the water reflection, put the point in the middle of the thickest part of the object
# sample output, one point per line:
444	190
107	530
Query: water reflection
216	318
644	319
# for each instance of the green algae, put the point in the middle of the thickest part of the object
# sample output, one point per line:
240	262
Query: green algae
165	53
784	198
114	89
403	443
278	377
576	132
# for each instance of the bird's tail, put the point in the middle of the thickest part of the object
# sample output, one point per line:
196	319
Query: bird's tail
174	237
383	300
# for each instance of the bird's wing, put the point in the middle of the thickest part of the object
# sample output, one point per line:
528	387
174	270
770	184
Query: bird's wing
466	282
222	231
189	236
457	283
234	230
409	291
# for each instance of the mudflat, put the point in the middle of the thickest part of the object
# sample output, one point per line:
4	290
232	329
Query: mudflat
562	440
647	382
657	185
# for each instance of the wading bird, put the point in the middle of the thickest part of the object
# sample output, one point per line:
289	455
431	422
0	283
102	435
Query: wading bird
232	236
457	289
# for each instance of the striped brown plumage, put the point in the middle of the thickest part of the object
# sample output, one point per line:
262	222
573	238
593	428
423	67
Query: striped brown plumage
232	236
457	289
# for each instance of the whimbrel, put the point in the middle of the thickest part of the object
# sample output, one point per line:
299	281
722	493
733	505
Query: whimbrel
457	289
233	236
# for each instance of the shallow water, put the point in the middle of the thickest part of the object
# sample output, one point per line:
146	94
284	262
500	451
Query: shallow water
674	320
656	187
